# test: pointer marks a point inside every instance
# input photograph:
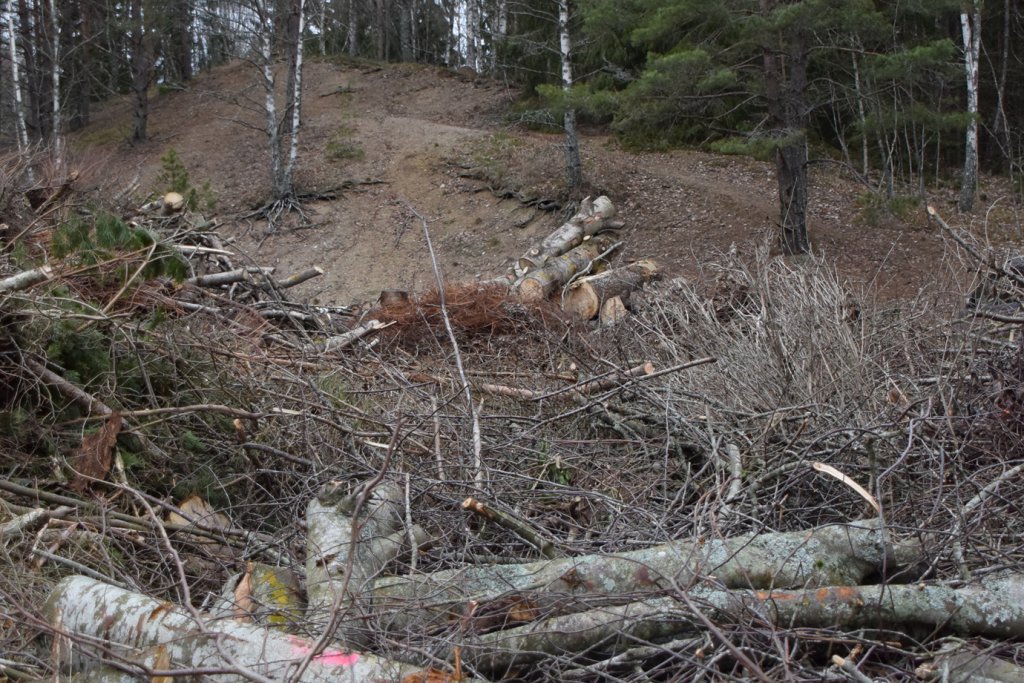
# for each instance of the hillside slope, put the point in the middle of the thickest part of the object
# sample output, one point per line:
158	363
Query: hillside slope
404	138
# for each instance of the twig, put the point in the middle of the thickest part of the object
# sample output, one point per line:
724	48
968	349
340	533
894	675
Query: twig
981	497
515	525
860	490
850	669
477	445
80	568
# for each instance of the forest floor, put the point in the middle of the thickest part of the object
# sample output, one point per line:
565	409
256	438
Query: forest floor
390	143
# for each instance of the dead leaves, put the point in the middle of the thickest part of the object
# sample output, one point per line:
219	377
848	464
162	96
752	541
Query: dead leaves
91	461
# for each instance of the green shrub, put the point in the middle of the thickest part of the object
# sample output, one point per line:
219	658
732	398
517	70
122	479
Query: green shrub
174	177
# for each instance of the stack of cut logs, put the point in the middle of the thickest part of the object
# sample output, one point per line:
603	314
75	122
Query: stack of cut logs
572	263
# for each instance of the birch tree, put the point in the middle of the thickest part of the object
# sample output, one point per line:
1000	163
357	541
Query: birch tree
970	28
573	166
19	107
282	122
55	106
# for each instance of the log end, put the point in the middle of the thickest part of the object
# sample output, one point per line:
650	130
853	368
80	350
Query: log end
612	311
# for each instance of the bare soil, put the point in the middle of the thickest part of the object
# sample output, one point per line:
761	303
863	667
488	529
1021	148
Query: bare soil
392	143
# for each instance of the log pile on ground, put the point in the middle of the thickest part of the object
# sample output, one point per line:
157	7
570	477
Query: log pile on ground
755	477
574	261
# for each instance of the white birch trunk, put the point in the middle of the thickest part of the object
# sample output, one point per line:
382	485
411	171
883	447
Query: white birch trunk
288	184
58	152
573	166
502	18
153	633
19	107
970	25
265	29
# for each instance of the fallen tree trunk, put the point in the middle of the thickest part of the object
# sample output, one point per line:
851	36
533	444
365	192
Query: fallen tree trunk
122	622
556	271
593	217
828	555
992	608
586	296
348	543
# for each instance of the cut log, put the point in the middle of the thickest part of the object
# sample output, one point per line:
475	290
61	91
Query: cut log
539	284
994	608
828	555
585	298
122	623
172	202
613	310
593	217
26	279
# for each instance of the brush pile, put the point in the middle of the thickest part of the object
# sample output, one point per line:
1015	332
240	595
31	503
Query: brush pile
756	475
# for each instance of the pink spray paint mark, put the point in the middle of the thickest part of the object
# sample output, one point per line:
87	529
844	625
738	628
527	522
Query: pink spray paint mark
327	657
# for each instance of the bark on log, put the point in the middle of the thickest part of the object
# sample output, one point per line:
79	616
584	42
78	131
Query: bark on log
556	271
26	279
124	622
961	663
593	217
585	298
228	277
828	555
344	555
992	608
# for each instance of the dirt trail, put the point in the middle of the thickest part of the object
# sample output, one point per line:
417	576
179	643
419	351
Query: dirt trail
394	133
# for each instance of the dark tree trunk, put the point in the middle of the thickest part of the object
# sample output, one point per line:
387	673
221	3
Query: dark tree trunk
179	48
380	29
76	33
405	30
785	74
142	71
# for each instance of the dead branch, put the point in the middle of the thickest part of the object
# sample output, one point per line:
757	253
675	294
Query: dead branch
26	279
827	555
517	526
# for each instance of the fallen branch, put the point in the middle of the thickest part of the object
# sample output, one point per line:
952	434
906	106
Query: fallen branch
347	339
828	555
992	608
26	279
228	277
517	526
